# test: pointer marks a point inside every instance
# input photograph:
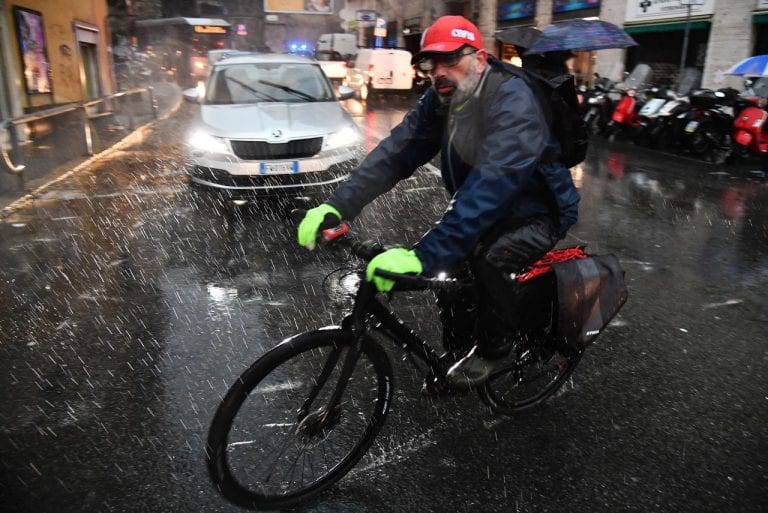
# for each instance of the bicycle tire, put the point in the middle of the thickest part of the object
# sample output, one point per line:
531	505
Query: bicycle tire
501	390
261	408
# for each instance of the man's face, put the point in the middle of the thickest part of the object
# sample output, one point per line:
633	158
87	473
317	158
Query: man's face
454	76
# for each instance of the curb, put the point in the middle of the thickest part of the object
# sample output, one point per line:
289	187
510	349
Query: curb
124	142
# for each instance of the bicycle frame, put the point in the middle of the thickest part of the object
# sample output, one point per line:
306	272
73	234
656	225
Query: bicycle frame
367	308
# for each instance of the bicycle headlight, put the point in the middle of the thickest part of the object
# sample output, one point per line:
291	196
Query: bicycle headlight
200	140
347	136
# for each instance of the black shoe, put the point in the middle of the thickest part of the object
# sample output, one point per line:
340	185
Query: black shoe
471	371
433	387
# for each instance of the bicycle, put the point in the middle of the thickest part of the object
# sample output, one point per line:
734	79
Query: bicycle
303	414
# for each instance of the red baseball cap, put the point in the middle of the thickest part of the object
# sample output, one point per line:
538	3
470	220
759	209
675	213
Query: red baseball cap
447	34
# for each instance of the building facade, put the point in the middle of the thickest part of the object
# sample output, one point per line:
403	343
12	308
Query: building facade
53	53
719	33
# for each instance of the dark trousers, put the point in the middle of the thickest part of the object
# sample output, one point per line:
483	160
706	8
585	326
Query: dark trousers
488	314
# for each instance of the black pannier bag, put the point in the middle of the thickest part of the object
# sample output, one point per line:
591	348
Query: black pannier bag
590	291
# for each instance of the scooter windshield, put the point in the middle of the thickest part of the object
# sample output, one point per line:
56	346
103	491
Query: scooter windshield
640	75
690	79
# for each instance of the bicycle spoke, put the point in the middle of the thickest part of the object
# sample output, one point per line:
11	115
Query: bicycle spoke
287	442
536	373
281	451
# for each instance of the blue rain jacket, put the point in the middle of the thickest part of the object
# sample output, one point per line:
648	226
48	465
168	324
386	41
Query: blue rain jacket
494	162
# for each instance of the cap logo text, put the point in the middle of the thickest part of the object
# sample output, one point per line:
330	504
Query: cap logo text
463	34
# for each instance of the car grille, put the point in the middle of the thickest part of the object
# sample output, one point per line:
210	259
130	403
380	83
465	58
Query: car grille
262	150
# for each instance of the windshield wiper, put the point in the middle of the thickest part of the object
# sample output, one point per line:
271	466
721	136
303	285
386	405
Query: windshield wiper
291	90
251	89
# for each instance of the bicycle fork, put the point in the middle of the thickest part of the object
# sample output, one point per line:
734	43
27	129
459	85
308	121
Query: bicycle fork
330	413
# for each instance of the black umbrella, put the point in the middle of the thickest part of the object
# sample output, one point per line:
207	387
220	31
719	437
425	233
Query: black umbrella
522	37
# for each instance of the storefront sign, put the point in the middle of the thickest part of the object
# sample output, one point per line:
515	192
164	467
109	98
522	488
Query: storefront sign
366	17
299	6
657	10
511	10
210	29
380	30
574	5
34	50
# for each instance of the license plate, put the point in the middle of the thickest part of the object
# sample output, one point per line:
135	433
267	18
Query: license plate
281	168
384	80
691	126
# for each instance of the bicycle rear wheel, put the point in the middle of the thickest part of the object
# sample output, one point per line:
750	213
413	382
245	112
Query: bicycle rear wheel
263	453
536	371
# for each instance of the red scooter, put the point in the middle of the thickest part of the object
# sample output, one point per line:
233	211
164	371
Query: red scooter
625	118
626	111
749	133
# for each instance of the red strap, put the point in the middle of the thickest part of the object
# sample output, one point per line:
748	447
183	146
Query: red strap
544	264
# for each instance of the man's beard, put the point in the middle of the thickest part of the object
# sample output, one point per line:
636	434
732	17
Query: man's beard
461	91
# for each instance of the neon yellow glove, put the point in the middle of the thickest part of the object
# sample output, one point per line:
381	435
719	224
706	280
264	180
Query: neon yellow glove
395	260
310	225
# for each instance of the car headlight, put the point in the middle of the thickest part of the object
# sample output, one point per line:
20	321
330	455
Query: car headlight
347	136
200	140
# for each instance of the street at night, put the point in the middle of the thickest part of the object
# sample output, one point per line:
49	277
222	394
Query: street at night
131	301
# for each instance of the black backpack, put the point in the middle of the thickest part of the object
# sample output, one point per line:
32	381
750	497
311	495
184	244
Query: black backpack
557	97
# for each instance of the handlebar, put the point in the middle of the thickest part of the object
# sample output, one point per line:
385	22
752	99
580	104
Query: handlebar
333	231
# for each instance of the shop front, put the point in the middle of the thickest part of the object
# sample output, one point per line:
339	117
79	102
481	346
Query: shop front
760	22
513	13
55	54
659	27
522	13
583	64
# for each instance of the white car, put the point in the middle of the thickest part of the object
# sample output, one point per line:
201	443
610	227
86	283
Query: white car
270	123
380	70
332	64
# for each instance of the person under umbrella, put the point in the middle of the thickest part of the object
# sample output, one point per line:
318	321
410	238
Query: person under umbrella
546	64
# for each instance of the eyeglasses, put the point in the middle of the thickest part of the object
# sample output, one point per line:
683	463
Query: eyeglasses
450	60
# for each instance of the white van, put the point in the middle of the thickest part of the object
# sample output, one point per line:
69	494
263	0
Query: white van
377	70
345	44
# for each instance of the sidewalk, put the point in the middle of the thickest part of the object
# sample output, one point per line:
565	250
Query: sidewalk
60	152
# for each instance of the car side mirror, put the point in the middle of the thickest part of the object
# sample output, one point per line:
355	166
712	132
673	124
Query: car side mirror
192	95
345	93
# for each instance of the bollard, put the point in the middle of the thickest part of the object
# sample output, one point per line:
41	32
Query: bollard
8	158
129	106
152	103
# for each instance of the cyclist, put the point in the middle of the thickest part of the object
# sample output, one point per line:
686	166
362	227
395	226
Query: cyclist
512	199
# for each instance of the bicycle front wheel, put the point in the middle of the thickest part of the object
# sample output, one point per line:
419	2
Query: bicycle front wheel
275	442
537	370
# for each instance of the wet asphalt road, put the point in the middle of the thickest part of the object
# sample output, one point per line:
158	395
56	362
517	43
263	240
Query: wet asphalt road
130	302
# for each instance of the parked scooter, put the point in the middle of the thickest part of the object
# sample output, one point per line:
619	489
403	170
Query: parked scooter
749	132
663	127
710	123
625	118
598	105
656	98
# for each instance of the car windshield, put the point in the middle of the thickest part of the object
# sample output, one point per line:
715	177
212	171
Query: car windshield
328	56
267	82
